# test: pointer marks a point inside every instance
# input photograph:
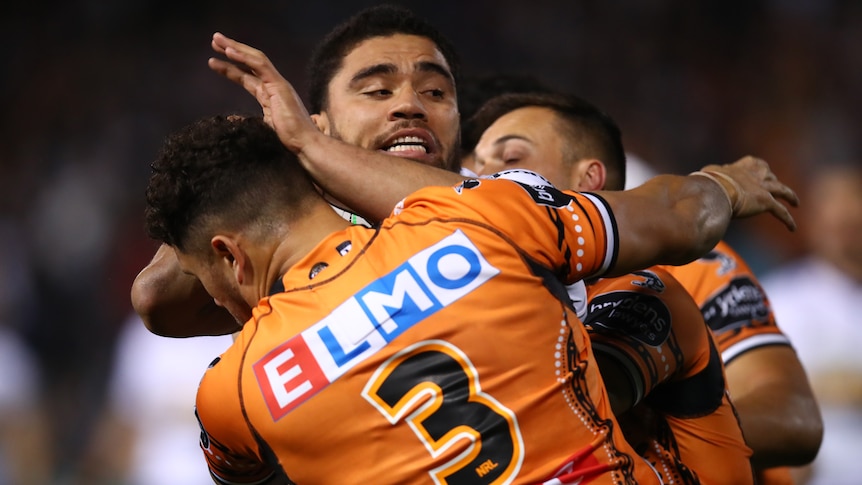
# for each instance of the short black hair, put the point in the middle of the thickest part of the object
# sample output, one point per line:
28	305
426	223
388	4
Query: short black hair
591	132
231	169
378	21
475	90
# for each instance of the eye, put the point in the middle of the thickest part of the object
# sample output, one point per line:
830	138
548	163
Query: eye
436	93
512	156
378	93
516	150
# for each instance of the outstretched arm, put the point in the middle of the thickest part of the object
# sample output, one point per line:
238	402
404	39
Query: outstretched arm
675	219
670	219
363	179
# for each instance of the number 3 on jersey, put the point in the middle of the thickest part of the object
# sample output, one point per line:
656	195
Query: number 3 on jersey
434	388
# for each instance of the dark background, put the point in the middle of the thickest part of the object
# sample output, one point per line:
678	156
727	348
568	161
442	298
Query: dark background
89	88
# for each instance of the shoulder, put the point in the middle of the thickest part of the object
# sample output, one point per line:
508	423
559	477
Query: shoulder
503	193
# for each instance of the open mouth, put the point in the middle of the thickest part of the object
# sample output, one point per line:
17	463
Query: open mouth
407	144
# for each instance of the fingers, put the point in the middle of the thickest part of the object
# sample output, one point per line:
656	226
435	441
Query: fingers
776	189
785	193
234	73
256	61
779	191
252	69
759	189
217	43
781	212
244	64
770	182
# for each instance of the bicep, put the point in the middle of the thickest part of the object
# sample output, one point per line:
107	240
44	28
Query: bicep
776	407
774	367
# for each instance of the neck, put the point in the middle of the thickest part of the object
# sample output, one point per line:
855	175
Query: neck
303	234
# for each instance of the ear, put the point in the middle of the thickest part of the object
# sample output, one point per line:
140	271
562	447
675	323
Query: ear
590	175
229	253
322	122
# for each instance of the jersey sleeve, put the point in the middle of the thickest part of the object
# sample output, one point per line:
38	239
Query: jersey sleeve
229	448
732	301
572	233
647	323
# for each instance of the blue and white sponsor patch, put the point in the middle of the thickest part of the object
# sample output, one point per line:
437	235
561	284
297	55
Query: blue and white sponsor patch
427	282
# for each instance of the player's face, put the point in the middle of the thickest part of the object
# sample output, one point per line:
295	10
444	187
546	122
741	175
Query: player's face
837	211
219	281
395	94
524	138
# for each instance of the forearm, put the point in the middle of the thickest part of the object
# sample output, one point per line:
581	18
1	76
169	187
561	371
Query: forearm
676	219
370	183
668	220
174	304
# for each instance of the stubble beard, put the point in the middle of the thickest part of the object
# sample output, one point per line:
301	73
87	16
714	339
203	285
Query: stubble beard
450	162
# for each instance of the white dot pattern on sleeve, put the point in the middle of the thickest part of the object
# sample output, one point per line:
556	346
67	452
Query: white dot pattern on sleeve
580	251
558	354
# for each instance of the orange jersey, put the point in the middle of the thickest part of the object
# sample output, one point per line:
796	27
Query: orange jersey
686	425
435	349
737	310
732	301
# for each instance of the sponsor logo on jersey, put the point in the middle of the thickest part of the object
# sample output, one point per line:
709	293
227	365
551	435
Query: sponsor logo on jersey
725	262
547	195
739	302
539	188
355	330
316	269
650	280
522	176
467	185
344	247
637	315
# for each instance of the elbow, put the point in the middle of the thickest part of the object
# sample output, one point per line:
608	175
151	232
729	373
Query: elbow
145	303
175	305
800	437
807	438
805	426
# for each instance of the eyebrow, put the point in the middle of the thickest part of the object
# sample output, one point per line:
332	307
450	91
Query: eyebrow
388	68
505	138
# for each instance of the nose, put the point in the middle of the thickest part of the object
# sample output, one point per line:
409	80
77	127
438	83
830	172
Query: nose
407	105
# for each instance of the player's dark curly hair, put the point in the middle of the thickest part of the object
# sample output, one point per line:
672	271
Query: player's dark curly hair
233	170
589	132
377	21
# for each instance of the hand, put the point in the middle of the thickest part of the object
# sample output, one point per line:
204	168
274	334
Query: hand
752	189
252	69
